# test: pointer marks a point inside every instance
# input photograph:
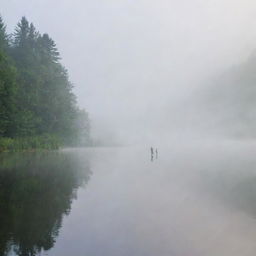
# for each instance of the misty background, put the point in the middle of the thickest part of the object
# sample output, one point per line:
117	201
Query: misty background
147	70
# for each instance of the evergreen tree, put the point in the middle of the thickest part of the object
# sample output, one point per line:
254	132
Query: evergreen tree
21	34
7	95
4	38
25	56
7	84
48	50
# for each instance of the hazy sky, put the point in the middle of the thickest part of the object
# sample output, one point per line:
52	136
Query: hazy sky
132	61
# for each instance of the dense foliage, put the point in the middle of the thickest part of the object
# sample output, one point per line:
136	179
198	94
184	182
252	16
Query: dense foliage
36	97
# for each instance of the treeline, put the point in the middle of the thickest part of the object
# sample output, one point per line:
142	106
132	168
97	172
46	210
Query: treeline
36	97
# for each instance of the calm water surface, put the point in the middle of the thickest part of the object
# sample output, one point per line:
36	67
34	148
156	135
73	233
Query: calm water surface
196	199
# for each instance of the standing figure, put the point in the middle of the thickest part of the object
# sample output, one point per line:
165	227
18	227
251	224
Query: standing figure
152	153
156	153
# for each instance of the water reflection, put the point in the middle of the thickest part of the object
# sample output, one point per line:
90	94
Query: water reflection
232	184
36	191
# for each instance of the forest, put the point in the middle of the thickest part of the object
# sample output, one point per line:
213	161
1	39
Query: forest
38	108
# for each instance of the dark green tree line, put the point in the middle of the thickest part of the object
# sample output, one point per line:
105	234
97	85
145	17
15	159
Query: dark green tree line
36	95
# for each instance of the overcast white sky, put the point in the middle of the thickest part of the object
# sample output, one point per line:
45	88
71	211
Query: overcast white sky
132	61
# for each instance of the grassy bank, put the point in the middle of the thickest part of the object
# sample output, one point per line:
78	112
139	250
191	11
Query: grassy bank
43	142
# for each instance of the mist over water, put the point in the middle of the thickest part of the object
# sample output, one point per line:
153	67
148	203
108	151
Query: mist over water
195	198
140	67
177	76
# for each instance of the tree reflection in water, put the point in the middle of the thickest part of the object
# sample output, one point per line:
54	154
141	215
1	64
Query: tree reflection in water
36	191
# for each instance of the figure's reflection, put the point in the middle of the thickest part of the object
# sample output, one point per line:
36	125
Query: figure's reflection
36	190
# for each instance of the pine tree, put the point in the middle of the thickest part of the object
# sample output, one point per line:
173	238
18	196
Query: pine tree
4	38
25	55
7	83
48	50
7	94
21	33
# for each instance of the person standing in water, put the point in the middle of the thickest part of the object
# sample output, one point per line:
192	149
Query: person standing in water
156	153
152	153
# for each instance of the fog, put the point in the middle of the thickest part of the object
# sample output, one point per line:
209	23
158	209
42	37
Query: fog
140	67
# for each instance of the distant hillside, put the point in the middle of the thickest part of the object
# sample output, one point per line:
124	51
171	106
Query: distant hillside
230	100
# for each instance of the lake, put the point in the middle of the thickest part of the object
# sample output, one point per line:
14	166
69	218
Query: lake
196	199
